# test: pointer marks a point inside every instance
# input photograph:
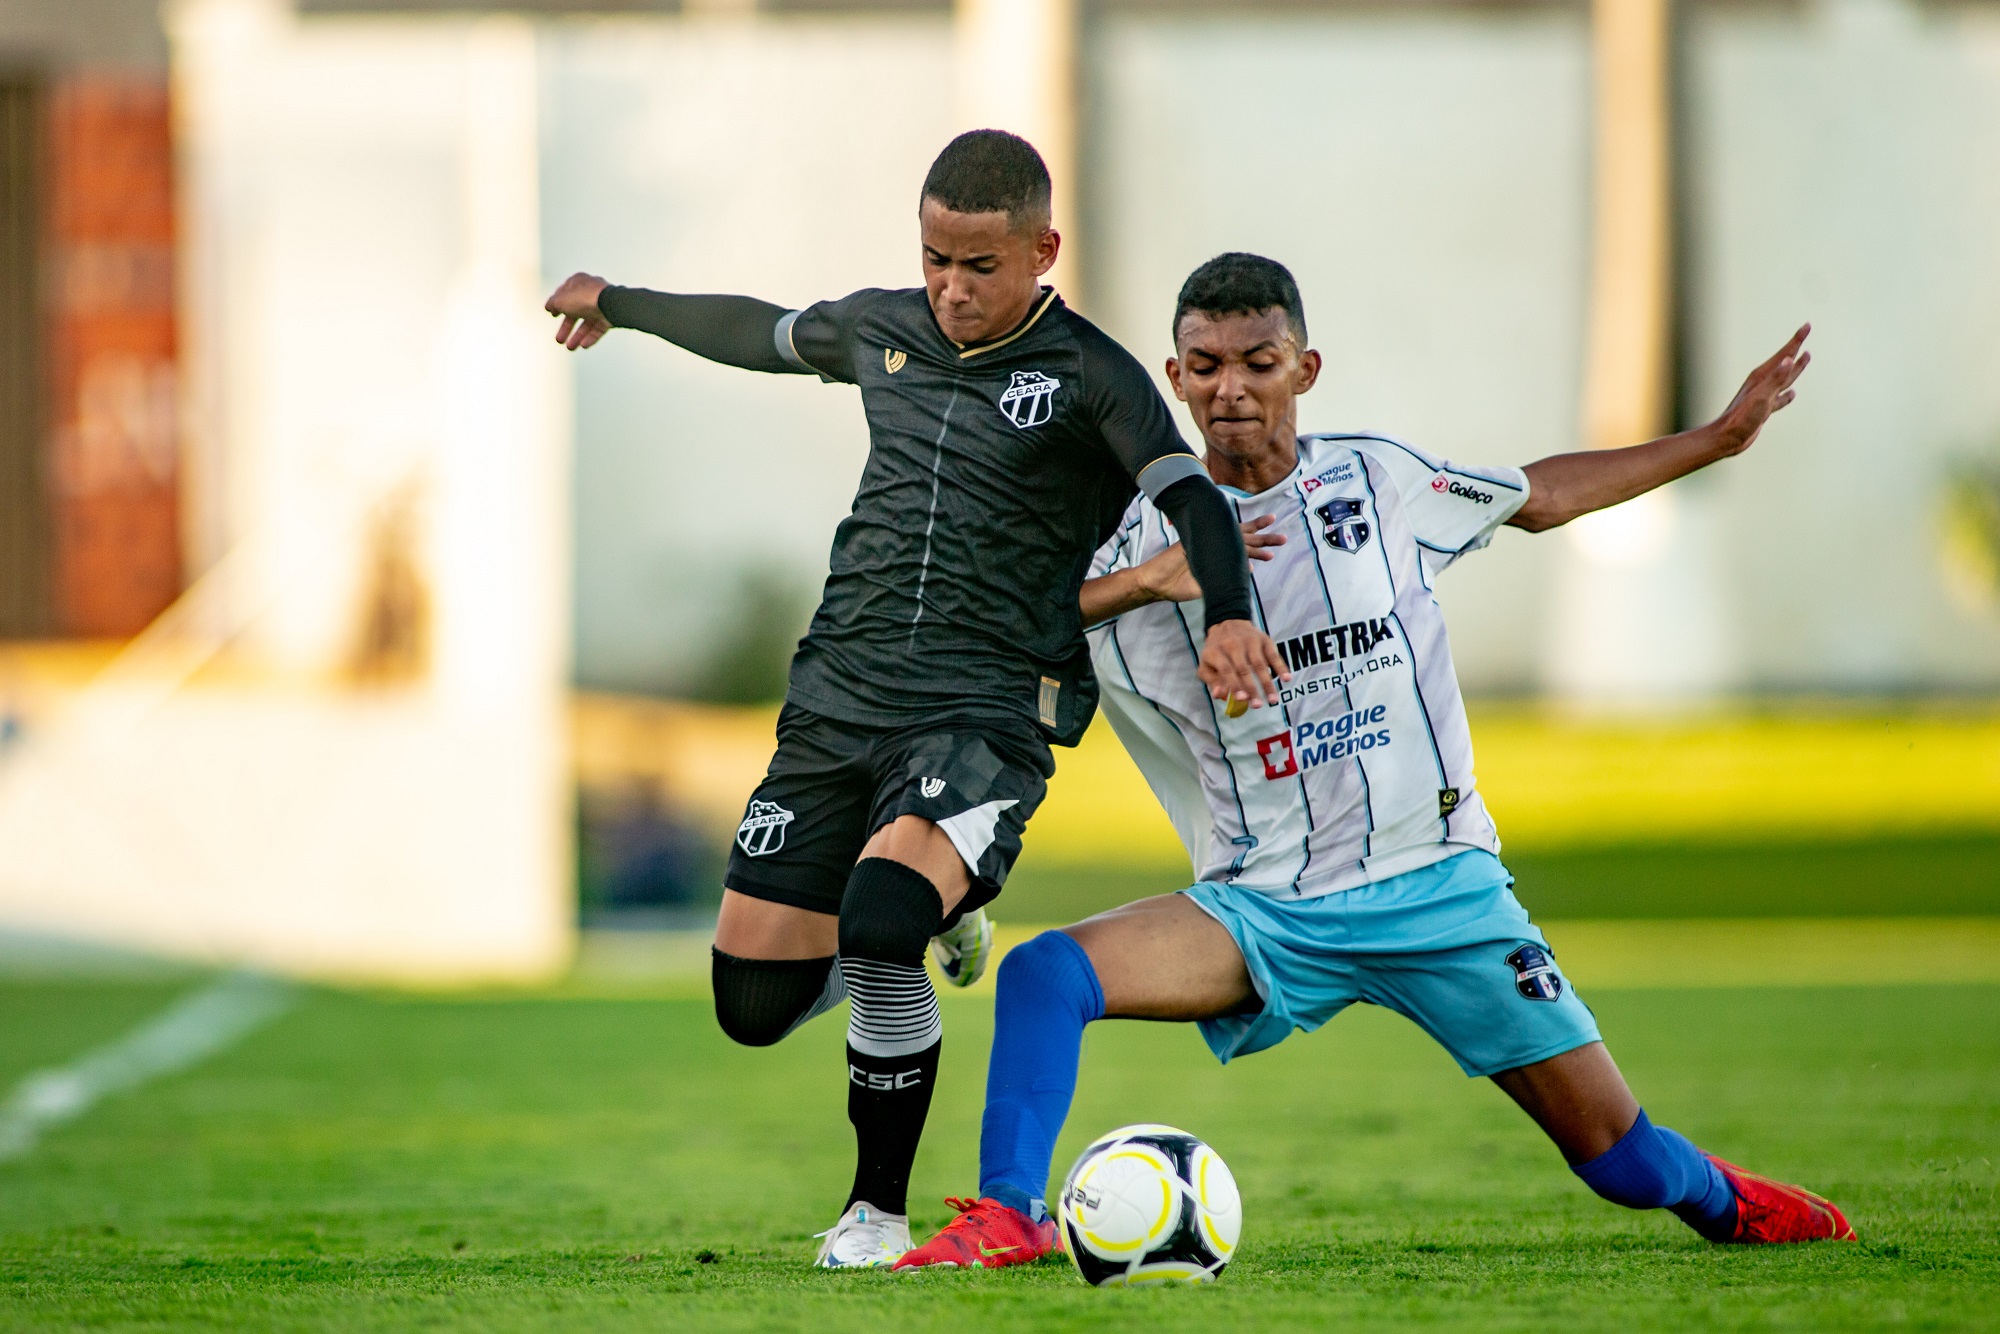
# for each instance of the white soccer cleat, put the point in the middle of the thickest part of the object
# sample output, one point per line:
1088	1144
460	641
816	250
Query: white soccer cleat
963	952
864	1238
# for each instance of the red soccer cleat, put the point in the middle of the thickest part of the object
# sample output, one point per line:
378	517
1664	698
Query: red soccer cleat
1770	1211
987	1233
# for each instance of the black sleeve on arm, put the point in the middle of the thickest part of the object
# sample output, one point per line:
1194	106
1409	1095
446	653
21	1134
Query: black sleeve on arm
1207	524
1140	432
734	330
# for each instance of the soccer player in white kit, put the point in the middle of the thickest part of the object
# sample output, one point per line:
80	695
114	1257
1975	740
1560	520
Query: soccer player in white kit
1342	847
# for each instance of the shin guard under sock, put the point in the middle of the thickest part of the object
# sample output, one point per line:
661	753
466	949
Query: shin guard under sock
1048	991
1654	1168
894	1031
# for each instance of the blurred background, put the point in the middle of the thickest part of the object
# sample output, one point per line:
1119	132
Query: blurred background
350	629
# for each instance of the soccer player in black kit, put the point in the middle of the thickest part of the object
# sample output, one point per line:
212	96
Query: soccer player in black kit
1007	435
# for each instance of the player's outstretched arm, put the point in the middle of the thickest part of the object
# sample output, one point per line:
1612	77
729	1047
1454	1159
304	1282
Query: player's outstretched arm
734	330
1164	578
1567	486
574	302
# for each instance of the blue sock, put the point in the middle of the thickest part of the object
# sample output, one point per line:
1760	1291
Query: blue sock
1048	992
1654	1168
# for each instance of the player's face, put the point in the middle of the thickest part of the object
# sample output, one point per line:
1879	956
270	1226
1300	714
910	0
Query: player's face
982	274
1241	376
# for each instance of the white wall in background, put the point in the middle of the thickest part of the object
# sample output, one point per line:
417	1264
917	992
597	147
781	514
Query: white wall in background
780	158
1423	175
1846	169
360	291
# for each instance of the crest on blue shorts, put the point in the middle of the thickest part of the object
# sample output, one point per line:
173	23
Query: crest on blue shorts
1535	975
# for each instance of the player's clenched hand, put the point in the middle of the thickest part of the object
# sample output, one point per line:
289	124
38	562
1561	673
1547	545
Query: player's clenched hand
1239	663
576	302
1166	577
1768	389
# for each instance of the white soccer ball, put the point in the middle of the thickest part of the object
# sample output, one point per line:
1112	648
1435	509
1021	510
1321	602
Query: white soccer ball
1149	1204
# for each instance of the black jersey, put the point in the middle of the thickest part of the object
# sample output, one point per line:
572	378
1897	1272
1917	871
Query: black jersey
994	472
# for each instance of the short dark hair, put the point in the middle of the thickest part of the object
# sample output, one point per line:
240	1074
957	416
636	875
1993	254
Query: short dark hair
991	171
1242	284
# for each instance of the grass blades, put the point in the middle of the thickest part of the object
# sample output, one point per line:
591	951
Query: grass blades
376	1162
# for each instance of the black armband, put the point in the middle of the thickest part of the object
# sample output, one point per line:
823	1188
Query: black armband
734	330
1214	545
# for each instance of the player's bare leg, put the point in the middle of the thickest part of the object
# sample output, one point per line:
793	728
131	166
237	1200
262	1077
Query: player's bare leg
773	968
923	847
1160	958
1164	958
907	881
779	965
752	928
963	950
1580	1100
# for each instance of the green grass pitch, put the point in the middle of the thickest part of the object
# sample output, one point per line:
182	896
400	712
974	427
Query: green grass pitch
1923	875
375	1162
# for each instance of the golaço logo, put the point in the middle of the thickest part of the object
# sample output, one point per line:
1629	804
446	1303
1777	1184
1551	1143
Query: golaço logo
1445	486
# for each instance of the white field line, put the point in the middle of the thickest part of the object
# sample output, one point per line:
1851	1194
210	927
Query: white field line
193	1028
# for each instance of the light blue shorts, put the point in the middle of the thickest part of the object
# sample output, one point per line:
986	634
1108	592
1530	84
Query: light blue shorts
1447	946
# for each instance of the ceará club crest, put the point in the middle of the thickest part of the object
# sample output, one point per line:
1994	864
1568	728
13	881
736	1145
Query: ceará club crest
763	829
1030	399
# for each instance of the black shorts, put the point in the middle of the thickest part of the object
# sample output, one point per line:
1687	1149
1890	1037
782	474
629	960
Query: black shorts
832	784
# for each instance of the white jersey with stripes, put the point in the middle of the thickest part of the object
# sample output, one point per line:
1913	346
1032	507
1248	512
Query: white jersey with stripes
1365	770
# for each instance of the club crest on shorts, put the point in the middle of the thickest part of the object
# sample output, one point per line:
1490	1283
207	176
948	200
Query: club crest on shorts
1030	399
1345	529
763	829
1535	975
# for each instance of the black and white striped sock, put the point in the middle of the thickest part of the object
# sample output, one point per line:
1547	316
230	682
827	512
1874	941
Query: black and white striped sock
833	994
895	1011
894	1030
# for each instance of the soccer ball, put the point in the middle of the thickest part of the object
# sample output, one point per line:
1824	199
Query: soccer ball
1149	1204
